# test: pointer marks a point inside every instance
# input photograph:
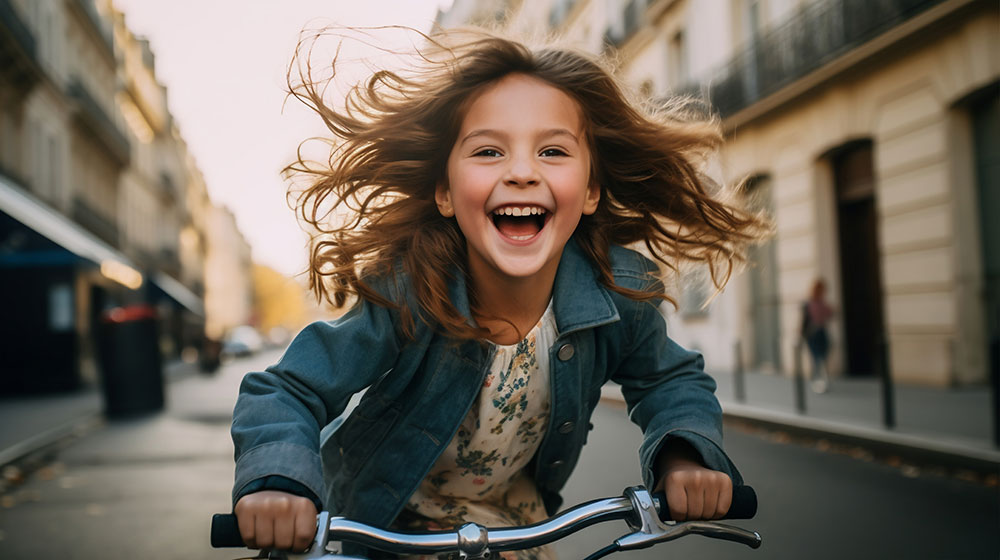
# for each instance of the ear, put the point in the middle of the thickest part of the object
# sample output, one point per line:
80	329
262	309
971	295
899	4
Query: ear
592	198
442	196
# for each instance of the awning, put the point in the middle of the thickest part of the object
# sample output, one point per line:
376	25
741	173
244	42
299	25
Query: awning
66	233
74	238
179	293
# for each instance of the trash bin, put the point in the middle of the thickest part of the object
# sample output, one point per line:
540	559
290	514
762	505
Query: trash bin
210	357
132	369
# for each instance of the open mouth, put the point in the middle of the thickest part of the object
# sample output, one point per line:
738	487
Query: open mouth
520	223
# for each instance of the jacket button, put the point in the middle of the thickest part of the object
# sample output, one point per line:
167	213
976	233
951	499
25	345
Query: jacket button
558	463
566	427
566	352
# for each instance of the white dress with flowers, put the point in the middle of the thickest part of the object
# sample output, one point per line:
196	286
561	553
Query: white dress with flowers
480	476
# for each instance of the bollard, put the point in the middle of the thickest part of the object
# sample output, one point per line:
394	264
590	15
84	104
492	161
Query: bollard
739	388
800	382
995	374
888	399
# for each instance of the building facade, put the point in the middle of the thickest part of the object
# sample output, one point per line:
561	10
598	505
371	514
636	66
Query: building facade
228	288
868	131
101	205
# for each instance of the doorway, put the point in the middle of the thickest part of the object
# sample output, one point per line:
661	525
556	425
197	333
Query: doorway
765	300
860	266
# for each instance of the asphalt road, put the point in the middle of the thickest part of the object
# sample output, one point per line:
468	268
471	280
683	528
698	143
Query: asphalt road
813	504
147	488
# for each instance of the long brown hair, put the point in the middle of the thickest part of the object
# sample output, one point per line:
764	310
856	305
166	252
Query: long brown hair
392	138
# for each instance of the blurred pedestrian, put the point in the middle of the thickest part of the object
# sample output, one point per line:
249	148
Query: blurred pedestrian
816	315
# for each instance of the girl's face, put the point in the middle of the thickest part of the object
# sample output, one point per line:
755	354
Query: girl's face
519	178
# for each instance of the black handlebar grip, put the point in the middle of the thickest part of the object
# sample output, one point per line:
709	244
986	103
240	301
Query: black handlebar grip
744	504
225	531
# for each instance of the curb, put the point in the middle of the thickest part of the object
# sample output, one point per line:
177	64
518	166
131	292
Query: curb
173	371
911	446
918	448
49	437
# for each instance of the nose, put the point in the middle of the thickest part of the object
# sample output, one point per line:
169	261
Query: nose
522	172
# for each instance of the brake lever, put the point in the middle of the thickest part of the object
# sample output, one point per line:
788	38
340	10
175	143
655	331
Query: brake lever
649	530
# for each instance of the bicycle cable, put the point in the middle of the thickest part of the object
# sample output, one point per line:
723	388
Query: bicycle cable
611	548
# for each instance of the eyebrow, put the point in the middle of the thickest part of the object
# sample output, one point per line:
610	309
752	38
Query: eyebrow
544	134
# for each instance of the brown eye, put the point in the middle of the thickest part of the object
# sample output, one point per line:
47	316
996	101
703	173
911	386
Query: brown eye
551	152
487	152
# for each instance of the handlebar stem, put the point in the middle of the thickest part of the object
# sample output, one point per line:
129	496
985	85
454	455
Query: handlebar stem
473	542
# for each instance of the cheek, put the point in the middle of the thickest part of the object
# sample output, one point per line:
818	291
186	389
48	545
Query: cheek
470	187
572	189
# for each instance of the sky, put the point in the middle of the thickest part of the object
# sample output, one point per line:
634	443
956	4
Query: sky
224	64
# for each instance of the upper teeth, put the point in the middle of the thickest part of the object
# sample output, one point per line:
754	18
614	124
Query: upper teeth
519	211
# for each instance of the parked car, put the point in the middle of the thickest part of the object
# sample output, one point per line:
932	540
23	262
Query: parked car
242	341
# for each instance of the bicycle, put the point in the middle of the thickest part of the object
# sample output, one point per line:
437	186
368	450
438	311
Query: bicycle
644	513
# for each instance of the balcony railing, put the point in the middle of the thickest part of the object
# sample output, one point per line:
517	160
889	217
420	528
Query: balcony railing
97	223
99	123
820	33
18	50
98	25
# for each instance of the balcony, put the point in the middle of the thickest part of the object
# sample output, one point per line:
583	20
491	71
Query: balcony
100	28
95	222
820	33
18	51
90	114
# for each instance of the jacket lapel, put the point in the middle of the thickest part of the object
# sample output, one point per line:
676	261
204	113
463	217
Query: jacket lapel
580	301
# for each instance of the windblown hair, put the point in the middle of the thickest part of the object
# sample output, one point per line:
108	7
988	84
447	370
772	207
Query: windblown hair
371	207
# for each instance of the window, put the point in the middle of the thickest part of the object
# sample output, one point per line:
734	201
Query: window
696	286
677	54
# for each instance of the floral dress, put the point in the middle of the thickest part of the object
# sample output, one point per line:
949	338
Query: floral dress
480	476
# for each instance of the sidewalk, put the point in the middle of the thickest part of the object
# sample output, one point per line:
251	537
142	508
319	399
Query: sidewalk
30	423
140	487
952	425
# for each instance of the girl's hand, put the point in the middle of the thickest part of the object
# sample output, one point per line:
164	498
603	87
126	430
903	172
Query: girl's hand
273	519
693	491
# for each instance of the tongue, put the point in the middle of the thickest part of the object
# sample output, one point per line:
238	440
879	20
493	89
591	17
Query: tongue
517	226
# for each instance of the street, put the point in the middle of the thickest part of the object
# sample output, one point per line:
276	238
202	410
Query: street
147	489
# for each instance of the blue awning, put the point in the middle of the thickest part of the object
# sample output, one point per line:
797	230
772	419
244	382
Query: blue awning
53	225
69	235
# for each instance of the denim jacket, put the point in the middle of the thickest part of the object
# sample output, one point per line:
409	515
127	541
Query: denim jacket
419	390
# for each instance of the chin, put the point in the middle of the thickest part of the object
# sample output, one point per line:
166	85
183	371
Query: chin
523	269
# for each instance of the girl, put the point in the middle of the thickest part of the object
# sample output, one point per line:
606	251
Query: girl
490	193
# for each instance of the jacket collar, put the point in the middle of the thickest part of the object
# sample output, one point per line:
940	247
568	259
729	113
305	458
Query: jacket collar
579	299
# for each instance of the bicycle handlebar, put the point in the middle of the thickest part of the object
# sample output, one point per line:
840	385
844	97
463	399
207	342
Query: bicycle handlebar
637	507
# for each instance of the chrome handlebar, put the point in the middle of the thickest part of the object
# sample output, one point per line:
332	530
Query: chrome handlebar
475	542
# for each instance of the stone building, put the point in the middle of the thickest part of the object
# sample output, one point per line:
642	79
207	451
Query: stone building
867	130
101	205
154	200
228	288
62	151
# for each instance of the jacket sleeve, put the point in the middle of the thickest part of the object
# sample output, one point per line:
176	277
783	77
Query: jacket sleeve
281	410
669	395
